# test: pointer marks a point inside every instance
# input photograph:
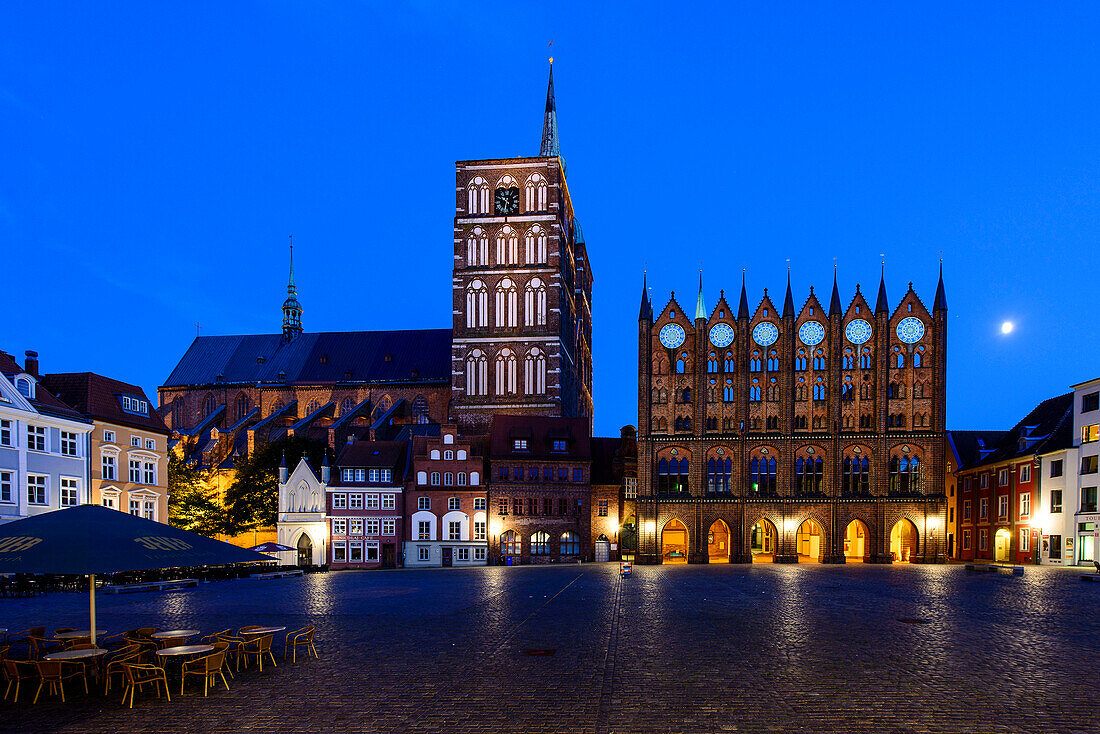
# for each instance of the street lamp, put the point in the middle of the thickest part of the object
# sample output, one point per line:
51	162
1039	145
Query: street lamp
1039	520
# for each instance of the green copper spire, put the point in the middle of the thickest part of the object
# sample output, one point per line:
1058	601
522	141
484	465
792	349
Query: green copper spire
700	308
550	120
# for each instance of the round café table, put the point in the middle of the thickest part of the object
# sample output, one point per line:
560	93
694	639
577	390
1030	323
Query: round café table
182	651
78	634
175	633
261	631
91	652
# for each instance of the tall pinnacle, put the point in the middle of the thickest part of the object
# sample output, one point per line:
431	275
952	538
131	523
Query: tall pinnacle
834	302
550	120
882	305
940	304
292	309
700	308
645	311
743	309
788	302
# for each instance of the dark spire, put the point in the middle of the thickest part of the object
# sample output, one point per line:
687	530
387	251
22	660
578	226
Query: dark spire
940	304
834	302
550	120
882	305
646	309
292	309
282	464
788	302
743	309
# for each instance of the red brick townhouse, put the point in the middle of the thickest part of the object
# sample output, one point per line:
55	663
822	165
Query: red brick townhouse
365	504
997	495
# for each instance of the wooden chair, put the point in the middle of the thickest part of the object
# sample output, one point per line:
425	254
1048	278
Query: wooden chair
140	675
116	666
234	649
164	642
210	668
258	647
17	671
299	638
213	638
45	645
222	646
119	640
54	674
24	637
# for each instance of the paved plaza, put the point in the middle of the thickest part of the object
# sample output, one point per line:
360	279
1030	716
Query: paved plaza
676	648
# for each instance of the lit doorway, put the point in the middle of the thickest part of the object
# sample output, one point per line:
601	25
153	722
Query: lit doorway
305	550
857	546
718	542
1002	545
903	541
762	540
674	542
809	542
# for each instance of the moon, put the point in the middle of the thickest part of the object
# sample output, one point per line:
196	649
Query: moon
1007	327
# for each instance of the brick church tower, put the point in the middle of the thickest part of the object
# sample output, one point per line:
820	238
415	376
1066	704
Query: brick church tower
522	289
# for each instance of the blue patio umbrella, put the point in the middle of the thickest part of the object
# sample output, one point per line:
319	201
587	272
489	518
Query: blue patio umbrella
270	547
91	540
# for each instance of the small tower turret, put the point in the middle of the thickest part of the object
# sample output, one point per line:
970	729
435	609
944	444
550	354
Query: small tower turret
292	309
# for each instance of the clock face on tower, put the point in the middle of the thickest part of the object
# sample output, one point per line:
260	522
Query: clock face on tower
506	201
765	333
721	335
910	330
672	335
811	333
858	331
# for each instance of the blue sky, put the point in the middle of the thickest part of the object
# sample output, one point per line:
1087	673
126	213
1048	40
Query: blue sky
157	155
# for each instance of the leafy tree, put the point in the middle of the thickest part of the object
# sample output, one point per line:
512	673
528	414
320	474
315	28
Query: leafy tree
190	504
253	497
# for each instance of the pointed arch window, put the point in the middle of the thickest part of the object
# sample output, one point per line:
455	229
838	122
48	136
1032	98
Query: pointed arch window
855	475
477	382
904	475
477	305
800	362
809	474
535	245
507	246
762	475
712	362
534	303
313	406
420	409
506	304
728	393
242	406
900	360
534	372
819	391
506	372
847	361
719	471
477	196
535	191
208	405
916	359
672	475
865	359
728	365
346	406
477	247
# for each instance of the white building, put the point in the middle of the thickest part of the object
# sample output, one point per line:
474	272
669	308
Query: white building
44	445
1086	439
302	521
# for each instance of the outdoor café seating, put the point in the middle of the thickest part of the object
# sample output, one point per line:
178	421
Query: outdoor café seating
116	665
17	671
259	647
54	673
209	668
299	638
139	675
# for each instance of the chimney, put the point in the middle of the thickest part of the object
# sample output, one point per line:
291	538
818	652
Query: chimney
31	363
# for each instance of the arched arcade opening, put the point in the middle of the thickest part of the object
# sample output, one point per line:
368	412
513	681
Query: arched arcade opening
810	542
718	542
903	541
762	541
674	542
857	542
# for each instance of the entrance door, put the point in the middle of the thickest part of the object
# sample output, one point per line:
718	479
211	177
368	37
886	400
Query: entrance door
603	550
447	557
1001	545
389	556
305	551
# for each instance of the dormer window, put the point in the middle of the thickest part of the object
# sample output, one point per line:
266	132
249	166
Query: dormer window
519	444
559	445
134	405
25	387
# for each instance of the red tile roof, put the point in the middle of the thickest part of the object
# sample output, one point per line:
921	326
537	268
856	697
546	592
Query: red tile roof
43	401
96	396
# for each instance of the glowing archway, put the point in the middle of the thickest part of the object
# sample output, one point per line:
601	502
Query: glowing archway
763	538
810	542
857	542
903	541
674	542
718	542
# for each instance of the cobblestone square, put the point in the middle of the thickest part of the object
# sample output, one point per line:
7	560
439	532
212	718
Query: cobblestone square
676	648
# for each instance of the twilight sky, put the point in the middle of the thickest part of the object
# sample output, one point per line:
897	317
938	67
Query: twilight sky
157	155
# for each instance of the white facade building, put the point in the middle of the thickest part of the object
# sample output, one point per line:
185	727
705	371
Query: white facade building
302	521
44	445
1086	439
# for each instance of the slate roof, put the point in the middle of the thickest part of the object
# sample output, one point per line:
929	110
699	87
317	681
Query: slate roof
1048	427
968	445
376	454
329	357
540	432
44	401
99	397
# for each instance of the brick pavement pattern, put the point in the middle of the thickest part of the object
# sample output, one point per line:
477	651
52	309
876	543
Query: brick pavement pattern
756	648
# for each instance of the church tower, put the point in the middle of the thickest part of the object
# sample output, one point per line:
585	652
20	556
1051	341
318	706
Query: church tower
292	309
522	289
